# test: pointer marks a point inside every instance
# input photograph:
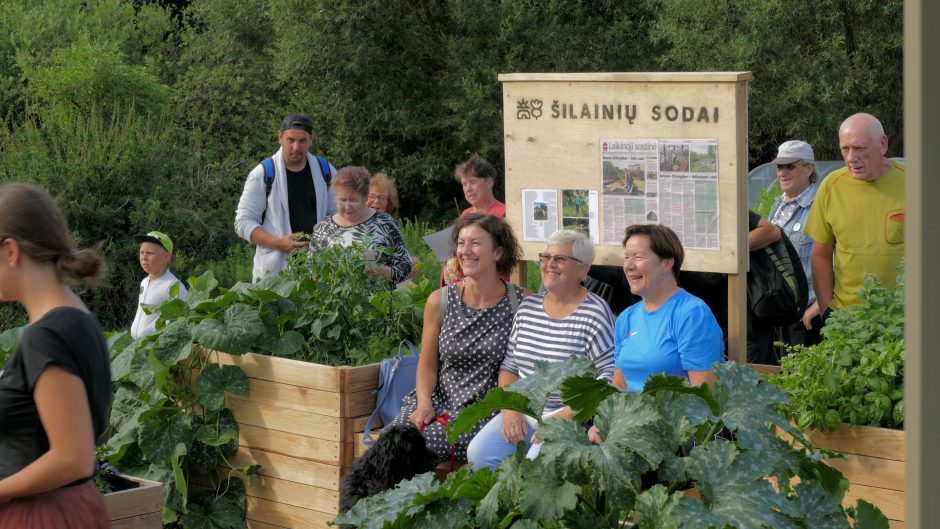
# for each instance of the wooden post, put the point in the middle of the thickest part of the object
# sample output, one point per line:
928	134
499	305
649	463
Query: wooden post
922	255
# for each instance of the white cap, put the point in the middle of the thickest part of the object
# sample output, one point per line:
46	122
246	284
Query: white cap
794	151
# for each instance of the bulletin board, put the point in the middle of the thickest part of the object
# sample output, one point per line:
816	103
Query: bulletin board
597	152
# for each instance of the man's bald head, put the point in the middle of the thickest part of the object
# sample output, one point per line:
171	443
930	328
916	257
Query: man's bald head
864	145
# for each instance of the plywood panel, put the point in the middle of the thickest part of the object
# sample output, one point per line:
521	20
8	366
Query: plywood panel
281	514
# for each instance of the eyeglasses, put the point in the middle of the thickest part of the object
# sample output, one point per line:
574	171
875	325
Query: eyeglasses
380	198
559	260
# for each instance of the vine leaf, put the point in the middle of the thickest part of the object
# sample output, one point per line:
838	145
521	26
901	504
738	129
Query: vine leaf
540	385
161	429
584	394
242	325
215	380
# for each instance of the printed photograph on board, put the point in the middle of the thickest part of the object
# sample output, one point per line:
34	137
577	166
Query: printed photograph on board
624	178
673	157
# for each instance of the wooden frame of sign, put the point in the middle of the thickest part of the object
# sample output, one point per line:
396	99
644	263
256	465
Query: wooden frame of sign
631	148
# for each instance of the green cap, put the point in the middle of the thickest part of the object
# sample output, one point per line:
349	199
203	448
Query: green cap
156	237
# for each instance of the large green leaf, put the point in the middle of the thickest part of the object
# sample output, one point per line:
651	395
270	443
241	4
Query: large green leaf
392	507
495	399
125	416
867	516
174	309
218	429
242	325
733	487
174	343
215	380
583	394
654	508
182	486
815	507
547	377
161	429
550	499
286	344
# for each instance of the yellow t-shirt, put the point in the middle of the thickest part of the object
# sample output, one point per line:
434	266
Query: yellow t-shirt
865	223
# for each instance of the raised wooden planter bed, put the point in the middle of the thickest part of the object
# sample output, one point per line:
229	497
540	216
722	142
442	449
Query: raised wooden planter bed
140	508
874	466
302	423
874	463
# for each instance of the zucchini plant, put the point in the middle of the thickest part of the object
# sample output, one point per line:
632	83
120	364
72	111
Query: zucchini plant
168	419
636	476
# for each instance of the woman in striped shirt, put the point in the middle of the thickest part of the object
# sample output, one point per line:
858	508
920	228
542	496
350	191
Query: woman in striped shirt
566	320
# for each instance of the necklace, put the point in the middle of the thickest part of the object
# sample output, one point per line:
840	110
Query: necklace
468	311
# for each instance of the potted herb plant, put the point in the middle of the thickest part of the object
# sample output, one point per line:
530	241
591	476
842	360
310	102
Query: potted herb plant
847	394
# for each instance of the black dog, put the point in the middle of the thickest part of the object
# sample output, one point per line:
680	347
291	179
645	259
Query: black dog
399	453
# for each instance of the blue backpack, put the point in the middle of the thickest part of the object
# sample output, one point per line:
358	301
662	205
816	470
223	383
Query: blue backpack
268	164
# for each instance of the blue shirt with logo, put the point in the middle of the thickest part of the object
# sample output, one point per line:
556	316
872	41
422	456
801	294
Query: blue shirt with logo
680	336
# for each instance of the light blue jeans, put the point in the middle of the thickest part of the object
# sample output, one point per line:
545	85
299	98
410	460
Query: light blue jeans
488	448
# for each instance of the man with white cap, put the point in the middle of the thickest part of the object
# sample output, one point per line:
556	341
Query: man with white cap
156	250
285	195
796	173
857	220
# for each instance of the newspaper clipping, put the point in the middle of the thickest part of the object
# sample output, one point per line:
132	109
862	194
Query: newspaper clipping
540	213
579	212
668	181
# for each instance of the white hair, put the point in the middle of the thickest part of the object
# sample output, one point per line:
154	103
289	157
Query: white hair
581	248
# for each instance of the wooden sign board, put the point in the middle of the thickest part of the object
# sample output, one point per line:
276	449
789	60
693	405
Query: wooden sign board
597	152
677	140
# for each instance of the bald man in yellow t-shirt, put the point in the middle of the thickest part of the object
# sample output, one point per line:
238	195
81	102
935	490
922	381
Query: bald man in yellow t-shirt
857	219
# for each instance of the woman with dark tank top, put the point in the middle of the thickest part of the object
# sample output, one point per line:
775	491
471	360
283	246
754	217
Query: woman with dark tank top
55	389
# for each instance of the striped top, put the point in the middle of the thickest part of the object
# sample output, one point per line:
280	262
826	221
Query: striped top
588	331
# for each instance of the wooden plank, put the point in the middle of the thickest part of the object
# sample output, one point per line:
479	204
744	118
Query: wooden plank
891	502
296	494
629	77
290	468
359	378
281	514
862	440
357	404
152	520
255	524
358	424
146	499
285	370
871	471
294	397
288	444
895	524
285	419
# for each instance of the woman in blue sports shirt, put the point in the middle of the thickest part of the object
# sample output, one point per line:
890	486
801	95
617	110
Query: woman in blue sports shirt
668	331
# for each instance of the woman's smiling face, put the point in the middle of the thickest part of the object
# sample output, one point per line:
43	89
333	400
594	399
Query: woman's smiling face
644	269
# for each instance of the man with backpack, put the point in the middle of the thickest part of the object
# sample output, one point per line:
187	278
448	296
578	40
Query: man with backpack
284	197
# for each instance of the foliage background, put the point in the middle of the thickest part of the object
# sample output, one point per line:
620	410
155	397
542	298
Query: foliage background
148	114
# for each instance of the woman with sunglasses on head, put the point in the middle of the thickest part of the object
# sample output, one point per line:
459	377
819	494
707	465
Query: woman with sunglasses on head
552	326
55	390
354	220
461	352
